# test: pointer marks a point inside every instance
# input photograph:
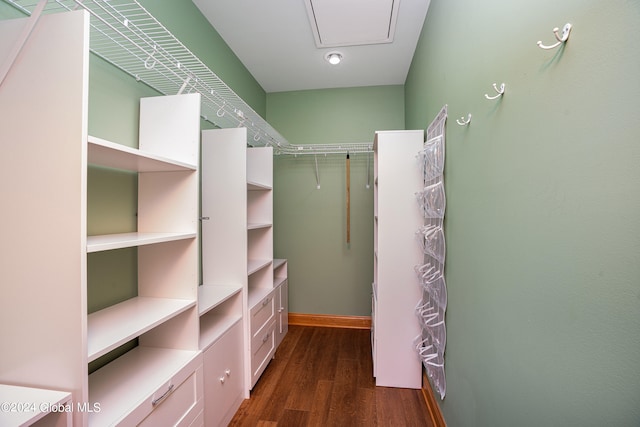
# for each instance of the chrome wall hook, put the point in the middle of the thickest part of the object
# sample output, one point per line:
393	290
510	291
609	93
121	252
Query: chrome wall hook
560	37
464	122
499	90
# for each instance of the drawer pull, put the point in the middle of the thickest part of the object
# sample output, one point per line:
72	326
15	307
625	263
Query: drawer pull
221	380
266	337
161	398
228	372
265	302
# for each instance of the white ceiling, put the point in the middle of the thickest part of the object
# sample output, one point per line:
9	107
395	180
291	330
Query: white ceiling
275	40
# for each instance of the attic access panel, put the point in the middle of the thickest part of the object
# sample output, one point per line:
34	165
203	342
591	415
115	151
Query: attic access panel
352	22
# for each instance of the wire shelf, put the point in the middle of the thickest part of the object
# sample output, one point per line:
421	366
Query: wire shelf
126	35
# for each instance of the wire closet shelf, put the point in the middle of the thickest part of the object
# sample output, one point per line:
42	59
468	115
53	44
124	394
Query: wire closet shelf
126	35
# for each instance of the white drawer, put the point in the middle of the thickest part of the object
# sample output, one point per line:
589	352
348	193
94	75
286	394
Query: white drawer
178	402
224	377
263	346
262	313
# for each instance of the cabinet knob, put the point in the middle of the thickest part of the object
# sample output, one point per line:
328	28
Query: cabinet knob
228	372
265	302
266	337
222	380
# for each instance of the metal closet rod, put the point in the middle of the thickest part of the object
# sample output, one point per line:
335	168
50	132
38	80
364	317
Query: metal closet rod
126	35
326	149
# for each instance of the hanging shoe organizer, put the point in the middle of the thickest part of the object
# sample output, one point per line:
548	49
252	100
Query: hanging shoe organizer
430	344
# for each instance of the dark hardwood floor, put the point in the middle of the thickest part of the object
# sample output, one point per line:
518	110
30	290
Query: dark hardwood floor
323	377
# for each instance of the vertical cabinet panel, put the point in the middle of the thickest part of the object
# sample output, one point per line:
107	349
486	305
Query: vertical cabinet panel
395	290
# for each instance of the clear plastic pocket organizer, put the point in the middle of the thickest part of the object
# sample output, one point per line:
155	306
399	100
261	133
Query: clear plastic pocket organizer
433	360
431	239
432	200
431	158
431	309
432	282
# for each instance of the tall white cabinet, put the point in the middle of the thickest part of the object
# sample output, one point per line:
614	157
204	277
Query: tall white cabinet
48	337
223	293
237	263
396	252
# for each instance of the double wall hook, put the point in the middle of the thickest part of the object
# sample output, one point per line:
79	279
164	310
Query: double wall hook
560	37
464	122
499	90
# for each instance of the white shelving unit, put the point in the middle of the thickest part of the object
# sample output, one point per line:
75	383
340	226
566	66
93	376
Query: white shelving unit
395	290
161	378
223	295
238	300
164	315
262	308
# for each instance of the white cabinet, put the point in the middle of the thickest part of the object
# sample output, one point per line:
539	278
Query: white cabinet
161	377
396	252
281	284
262	320
224	377
223	295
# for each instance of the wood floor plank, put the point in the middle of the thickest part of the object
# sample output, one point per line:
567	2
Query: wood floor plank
321	401
323	377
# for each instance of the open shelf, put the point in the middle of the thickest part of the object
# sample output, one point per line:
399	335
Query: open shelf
257	225
109	154
32	404
126	382
209	296
213	326
117	324
255	265
256	295
256	186
107	242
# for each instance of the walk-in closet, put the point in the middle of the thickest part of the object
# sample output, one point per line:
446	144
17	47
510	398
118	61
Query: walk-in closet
319	212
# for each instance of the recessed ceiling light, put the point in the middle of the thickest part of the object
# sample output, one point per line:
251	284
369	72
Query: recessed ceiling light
334	58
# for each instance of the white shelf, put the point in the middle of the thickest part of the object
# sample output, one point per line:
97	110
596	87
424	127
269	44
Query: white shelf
278	263
117	324
256	225
123	384
256	295
108	242
254	265
256	186
277	281
213	326
210	296
31	404
113	155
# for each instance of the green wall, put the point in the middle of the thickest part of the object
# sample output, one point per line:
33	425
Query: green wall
327	275
543	224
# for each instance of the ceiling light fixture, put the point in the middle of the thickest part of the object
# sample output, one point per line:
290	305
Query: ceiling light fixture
334	58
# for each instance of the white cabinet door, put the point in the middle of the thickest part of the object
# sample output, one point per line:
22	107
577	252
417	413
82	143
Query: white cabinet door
223	371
